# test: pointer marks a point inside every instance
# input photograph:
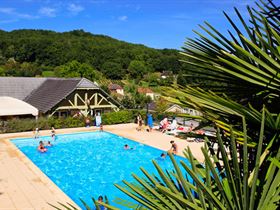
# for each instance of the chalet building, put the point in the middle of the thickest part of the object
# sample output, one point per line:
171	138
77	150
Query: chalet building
146	91
175	108
59	96
115	88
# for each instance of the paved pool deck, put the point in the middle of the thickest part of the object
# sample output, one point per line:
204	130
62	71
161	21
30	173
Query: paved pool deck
23	186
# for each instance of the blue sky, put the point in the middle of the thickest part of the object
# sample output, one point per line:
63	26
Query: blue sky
155	23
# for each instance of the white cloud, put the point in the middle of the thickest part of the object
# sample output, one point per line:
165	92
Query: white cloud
14	13
8	21
47	11
138	7
74	8
7	10
98	1
182	16
123	18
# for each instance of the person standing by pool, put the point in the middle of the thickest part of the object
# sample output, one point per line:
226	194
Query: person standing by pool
150	122
36	133
53	133
98	120
87	122
174	147
139	122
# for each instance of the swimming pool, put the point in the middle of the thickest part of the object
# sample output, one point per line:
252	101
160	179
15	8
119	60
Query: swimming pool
86	165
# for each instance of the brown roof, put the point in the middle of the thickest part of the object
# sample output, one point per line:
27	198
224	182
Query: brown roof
144	90
51	92
114	87
45	93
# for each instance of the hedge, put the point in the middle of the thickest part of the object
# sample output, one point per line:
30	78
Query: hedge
20	125
43	123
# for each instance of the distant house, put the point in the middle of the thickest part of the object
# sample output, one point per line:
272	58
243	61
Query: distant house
192	112
175	108
178	109
115	88
146	91
166	74
59	96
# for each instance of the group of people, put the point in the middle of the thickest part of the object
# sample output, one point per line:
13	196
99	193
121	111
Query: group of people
37	133
166	126
173	150
140	121
97	121
43	146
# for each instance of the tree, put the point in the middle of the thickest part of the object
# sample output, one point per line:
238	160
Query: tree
70	69
152	79
77	69
181	80
112	70
137	69
2	71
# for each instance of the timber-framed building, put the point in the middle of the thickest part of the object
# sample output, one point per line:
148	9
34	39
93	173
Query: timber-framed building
59	96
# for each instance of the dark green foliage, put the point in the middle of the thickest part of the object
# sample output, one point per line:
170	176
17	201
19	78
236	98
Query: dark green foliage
243	64
48	74
41	48
123	116
113	70
2	72
181	79
137	69
20	125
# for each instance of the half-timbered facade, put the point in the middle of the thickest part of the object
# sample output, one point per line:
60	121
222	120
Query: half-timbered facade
59	96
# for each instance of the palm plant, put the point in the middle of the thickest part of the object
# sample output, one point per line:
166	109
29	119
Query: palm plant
247	67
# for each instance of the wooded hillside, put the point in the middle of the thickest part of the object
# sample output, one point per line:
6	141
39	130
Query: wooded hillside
42	52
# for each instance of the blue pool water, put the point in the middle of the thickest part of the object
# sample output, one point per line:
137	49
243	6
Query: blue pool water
86	165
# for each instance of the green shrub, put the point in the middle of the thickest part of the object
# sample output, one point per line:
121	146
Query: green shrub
48	74
18	125
43	123
71	122
124	116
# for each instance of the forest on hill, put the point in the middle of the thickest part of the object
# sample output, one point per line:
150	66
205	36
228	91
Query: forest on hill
49	53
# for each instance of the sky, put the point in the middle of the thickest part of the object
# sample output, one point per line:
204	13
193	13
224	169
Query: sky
154	23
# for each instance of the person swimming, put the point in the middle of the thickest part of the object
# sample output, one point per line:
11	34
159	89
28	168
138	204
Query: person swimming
49	144
126	147
41	147
100	201
163	156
